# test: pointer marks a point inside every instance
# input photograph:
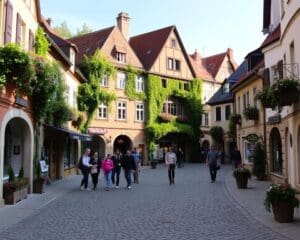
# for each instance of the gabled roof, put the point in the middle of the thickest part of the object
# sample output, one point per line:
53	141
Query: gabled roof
272	37
200	71
147	46
88	43
219	97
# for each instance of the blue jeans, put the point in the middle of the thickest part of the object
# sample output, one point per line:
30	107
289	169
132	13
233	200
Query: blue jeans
107	176
127	173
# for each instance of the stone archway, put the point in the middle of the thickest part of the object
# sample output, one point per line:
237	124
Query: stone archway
98	145
276	151
122	143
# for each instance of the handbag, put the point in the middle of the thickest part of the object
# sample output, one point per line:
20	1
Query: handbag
94	170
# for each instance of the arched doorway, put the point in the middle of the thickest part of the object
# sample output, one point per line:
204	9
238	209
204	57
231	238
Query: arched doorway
17	147
122	143
98	145
276	150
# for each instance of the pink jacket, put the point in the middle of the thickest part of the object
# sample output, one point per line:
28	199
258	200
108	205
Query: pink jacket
107	165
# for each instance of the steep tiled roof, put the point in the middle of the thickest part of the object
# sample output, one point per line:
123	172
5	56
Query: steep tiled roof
213	63
147	46
200	71
219	97
88	43
272	37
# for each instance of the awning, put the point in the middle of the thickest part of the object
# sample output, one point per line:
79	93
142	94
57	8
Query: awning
71	134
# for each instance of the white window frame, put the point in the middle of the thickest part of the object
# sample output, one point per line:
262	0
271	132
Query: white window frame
103	111
139	83
121	80
140	112
121	57
121	111
104	81
248	151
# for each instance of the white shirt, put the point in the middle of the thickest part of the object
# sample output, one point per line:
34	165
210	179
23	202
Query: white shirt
171	158
86	160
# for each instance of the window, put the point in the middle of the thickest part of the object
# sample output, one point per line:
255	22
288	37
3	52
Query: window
254	99
173	64
121	111
292	59
186	86
121	57
140	112
164	82
102	111
173	107
247	99
139	83
227	112
173	43
249	149
31	41
226	88
170	63
244	101
177	65
218	113
121	82
104	81
239	105
206	122
274	73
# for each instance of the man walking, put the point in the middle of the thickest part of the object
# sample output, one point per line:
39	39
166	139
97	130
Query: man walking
115	176
128	165
236	157
212	162
171	159
85	169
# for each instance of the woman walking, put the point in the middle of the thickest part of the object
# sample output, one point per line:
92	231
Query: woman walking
95	169
107	167
171	163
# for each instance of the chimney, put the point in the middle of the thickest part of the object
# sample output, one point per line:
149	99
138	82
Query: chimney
49	21
230	53
123	24
197	56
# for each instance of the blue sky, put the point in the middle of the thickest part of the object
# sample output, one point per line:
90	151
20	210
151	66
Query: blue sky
209	26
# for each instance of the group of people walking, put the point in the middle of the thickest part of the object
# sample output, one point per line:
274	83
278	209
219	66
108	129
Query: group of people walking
111	167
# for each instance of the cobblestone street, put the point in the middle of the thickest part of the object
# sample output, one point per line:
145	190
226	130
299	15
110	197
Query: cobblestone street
193	208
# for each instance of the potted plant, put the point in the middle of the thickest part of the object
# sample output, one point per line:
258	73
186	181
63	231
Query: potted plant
259	162
251	113
267	97
287	91
235	118
282	199
39	181
165	117
241	176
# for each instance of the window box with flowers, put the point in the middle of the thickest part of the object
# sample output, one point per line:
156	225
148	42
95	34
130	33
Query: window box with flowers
241	176
251	113
166	117
287	91
235	118
15	190
267	97
282	199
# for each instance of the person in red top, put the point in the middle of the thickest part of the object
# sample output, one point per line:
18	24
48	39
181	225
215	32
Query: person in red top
107	167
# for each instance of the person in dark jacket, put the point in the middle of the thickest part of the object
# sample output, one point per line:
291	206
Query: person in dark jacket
128	165
236	157
95	169
85	169
115	176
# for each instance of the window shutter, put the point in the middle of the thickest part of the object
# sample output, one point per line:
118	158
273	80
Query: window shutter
31	40
267	77
8	22
18	31
280	69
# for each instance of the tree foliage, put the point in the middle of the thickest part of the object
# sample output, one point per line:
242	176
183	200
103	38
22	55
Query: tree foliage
84	29
63	30
41	43
217	134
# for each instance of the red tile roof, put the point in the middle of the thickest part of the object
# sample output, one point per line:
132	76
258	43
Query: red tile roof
88	43
213	63
272	37
147	46
200	71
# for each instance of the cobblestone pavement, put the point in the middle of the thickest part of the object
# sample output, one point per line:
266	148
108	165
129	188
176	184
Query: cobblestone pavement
191	209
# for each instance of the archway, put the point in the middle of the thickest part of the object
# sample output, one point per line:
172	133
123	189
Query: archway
122	143
17	146
98	145
276	150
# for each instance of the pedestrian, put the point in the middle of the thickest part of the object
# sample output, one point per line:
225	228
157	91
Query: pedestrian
85	169
212	161
179	155
128	165
117	159
95	161
236	157
107	167
171	160
137	159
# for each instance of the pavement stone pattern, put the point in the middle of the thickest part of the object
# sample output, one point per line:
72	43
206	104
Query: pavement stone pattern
192	209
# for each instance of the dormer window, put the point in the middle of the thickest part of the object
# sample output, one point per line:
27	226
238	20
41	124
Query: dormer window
226	88
121	57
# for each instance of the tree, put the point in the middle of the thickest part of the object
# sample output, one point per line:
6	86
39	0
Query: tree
63	30
217	134
83	30
259	162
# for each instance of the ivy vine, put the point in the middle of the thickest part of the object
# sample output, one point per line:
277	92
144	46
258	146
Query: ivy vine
130	88
41	43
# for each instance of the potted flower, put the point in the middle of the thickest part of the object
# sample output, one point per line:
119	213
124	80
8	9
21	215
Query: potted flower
267	97
282	199
259	162
287	91
235	118
39	181
241	176
251	113
165	117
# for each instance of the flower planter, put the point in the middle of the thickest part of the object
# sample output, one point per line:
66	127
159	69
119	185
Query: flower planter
242	182
153	164
283	212
12	197
288	97
39	186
